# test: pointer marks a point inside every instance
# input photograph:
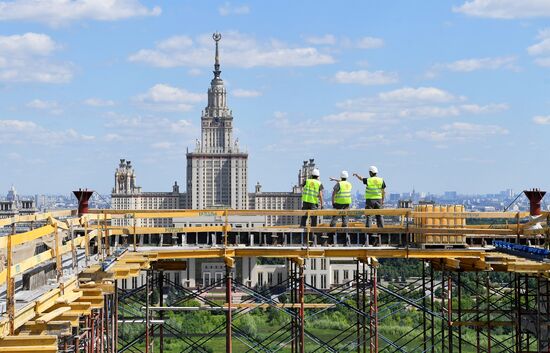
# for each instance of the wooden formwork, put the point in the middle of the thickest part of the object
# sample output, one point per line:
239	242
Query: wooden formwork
440	240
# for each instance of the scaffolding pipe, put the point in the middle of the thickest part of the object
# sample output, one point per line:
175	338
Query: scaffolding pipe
228	314
161	313
301	311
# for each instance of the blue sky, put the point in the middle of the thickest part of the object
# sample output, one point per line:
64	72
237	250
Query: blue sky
440	95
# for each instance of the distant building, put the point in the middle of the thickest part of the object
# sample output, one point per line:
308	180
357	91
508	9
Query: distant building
450	195
16	206
394	197
127	195
217	175
217	170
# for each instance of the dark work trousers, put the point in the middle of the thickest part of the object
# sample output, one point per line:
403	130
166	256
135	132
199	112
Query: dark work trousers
309	206
374	205
344	218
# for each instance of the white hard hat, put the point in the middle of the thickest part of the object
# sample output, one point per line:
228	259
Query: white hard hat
344	174
315	172
373	169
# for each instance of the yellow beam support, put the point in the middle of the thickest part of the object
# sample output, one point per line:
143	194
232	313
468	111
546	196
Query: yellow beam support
164	230
14	341
21	238
36	217
282	252
52	315
30	349
57	328
354	212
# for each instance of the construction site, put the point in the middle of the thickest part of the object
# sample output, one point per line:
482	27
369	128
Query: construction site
484	285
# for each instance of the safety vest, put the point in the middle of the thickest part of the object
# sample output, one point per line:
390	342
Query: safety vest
343	196
310	193
373	190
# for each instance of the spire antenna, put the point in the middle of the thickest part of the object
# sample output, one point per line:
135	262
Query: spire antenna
217	37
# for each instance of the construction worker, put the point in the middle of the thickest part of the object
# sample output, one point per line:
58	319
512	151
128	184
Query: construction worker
374	194
312	197
341	197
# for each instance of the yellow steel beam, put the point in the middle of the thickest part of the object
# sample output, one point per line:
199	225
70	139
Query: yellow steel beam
30	349
96	301
57	328
343	252
416	230
21	238
81	308
354	212
36	217
14	341
114	230
52	315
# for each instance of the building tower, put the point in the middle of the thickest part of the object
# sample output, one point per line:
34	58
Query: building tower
125	179
217	171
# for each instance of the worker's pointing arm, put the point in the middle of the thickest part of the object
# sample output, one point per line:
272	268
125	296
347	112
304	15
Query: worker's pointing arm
358	176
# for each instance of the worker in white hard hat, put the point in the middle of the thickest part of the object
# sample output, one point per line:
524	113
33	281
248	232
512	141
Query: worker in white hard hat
312	196
375	191
341	197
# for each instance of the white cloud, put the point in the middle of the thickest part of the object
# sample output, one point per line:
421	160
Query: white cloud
194	72
243	93
98	102
365	77
167	133
475	64
236	50
484	109
505	9
24	58
351	117
460	131
417	103
327	39
544	62
164	97
28	132
58	12
544	46
40	104
370	43
280	120
410	94
541	120
51	106
331	39
111	137
162	145
229	9
27	44
541	49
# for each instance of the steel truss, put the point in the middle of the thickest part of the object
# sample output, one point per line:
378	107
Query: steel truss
441	311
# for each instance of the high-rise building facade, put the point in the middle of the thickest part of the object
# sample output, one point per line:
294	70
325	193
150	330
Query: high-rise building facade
217	171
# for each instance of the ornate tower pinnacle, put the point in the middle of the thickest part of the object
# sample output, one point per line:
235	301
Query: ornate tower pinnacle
217	37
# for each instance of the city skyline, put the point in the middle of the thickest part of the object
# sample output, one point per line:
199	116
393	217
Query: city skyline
352	86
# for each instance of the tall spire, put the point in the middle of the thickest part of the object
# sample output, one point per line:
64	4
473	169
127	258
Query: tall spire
217	36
